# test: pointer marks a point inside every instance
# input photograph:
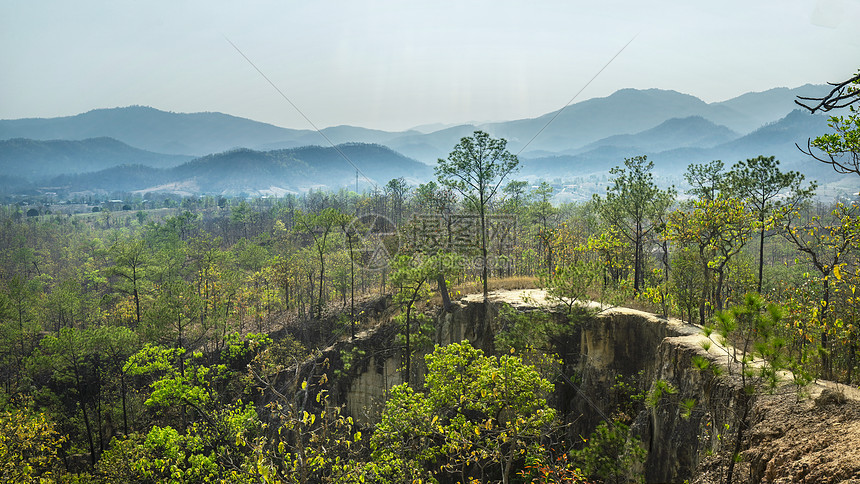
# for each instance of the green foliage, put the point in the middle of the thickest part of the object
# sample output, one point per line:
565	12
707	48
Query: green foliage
761	183
177	379
713	232
611	454
571	284
658	390
82	294
215	451
706	180
634	205
476	169
751	328
29	446
476	412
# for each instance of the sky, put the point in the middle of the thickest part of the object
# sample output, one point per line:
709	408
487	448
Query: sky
395	64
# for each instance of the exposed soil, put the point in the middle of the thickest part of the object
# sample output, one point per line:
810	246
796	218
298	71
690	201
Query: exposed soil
815	440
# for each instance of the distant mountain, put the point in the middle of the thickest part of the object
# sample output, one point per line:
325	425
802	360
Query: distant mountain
123	178
625	112
768	106
672	128
336	135
775	139
35	160
153	130
245	171
690	132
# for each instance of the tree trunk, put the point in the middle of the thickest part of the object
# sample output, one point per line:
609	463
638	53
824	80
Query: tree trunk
744	401
124	407
761	255
825	356
87	423
484	248
443	291
408	349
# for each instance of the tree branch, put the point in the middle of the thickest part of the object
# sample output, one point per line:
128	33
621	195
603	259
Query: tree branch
837	98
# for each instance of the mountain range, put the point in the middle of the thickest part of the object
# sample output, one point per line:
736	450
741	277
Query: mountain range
251	172
141	148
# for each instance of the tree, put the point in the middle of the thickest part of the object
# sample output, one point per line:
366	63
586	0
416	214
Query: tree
319	226
28	446
756	351
706	180
397	190
131	260
476	169
826	241
117	344
633	204
351	230
840	149
760	182
478	415
541	211
718	230
412	277
67	357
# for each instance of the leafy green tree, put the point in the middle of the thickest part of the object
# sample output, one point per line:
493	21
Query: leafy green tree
706	180
18	318
397	190
570	284
319	227
29	446
612	454
717	230
412	277
117	344
541	211
218	450
766	188
175	378
131	261
633	204
351	230
826	242
476	169
67	358
516	196
478	416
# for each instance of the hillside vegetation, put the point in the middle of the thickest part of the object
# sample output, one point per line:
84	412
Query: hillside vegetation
149	340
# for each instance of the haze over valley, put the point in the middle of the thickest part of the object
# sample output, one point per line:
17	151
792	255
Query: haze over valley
141	149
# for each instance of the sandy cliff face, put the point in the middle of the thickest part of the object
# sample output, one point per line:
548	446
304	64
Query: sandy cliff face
637	347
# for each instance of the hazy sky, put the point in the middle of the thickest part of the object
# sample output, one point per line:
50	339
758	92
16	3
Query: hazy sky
396	64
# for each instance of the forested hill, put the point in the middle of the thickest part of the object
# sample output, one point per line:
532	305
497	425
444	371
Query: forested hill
245	171
37	160
627	111
775	139
147	128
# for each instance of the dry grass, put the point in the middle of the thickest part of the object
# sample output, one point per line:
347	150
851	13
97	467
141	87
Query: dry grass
475	287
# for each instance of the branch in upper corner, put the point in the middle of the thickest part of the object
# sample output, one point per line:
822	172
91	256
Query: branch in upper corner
842	95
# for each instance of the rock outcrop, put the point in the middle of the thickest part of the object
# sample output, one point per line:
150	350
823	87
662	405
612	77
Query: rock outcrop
612	346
